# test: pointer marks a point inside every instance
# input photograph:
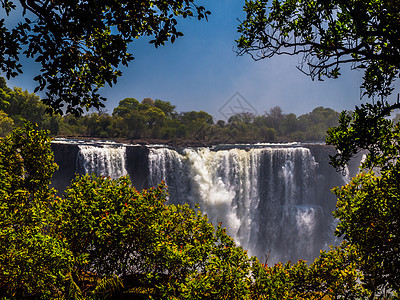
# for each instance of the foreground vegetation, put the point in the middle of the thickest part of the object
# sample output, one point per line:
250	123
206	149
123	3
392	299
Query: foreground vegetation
103	238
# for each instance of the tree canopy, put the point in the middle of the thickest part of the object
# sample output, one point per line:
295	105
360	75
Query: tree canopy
82	44
328	34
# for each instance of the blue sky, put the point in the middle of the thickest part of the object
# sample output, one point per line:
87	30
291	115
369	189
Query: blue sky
201	71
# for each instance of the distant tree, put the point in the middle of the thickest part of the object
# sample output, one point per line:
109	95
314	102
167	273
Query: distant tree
98	125
326	116
155	116
148	101
173	128
246	118
275	117
315	124
52	124
266	134
125	107
194	116
221	123
290	124
166	107
72	126
81	45
22	106
25	106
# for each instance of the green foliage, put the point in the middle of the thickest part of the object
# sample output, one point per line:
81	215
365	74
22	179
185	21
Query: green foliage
274	282
367	207
368	210
107	224
327	34
112	229
22	106
81	45
31	261
166	107
225	274
6	124
366	129
334	274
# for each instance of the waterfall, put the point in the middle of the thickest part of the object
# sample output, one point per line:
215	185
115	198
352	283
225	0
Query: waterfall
103	160
271	198
265	197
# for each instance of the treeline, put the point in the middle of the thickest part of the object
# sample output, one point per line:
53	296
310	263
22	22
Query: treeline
159	120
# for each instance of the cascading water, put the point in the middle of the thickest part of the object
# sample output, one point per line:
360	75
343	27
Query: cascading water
271	198
264	196
107	161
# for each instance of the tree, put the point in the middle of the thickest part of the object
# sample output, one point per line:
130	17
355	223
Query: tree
148	101
196	116
6	124
166	107
333	275
328	34
275	116
4	94
316	123
368	210
22	106
125	107
81	44
32	262
368	207
244	117
170	250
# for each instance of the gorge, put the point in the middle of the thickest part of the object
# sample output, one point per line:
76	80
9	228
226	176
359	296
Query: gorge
274	199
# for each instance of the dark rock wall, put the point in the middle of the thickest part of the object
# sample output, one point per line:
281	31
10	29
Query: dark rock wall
137	165
65	156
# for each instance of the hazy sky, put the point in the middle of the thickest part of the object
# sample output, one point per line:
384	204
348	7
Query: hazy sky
201	71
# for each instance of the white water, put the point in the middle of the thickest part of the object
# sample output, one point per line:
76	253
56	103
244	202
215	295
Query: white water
265	197
106	161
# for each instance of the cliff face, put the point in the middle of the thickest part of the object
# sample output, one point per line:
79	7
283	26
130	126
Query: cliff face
137	165
65	155
70	161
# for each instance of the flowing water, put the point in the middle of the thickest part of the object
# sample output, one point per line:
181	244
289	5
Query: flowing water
264	196
107	161
272	199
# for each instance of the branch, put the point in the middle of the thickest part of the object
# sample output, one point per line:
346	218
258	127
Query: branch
43	13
